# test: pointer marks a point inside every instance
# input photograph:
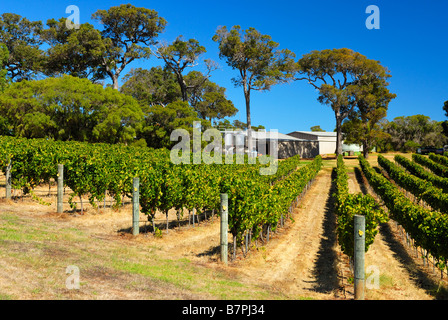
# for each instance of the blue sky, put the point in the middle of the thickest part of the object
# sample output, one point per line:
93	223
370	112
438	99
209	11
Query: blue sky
411	43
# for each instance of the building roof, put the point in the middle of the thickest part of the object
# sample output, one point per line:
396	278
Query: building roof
273	135
268	135
318	133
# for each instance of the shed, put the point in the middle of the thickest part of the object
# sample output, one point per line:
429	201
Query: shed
327	141
287	146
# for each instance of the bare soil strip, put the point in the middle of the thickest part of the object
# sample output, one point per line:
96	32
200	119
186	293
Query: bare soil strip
400	276
302	261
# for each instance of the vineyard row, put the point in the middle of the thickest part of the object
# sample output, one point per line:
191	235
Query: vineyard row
429	229
420	188
347	205
256	202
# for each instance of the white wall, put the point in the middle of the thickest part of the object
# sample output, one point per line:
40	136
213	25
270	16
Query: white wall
326	147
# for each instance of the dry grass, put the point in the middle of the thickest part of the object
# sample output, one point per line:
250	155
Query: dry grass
37	245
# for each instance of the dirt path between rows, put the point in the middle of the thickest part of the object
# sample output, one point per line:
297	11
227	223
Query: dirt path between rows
388	260
302	261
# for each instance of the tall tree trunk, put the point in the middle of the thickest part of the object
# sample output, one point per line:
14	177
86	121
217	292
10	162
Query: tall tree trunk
338	134
113	76
249	125
365	149
183	87
115	81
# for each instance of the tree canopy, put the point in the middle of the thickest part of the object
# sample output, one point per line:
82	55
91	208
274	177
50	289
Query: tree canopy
69	108
343	78
407	133
128	31
259	63
316	129
159	86
181	55
161	121
362	125
4	56
78	52
207	98
22	39
156	86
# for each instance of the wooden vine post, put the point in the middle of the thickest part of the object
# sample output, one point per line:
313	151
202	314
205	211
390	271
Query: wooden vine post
359	251
8	180
135	206
60	204
224	226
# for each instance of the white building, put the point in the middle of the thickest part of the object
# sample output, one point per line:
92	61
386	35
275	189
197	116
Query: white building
286	145
327	141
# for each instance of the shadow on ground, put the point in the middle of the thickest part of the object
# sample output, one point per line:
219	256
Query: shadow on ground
421	278
325	269
416	274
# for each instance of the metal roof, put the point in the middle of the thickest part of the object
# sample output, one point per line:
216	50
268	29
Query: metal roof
268	135
319	133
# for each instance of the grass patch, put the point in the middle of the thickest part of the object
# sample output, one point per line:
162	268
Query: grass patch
183	274
168	271
5	296
386	280
15	228
42	249
303	163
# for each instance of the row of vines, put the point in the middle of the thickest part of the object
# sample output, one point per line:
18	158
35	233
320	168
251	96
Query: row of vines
256	202
429	162
420	188
418	171
347	205
428	228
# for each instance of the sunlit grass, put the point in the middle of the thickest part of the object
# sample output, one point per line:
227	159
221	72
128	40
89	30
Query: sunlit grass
45	249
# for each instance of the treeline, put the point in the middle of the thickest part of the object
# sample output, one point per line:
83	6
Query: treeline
410	133
52	80
405	133
172	95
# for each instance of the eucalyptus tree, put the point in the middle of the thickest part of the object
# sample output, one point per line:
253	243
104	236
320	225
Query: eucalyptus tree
128	33
156	86
407	133
208	98
22	39
259	62
363	125
4	56
70	108
180	55
342	77
78	52
161	121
